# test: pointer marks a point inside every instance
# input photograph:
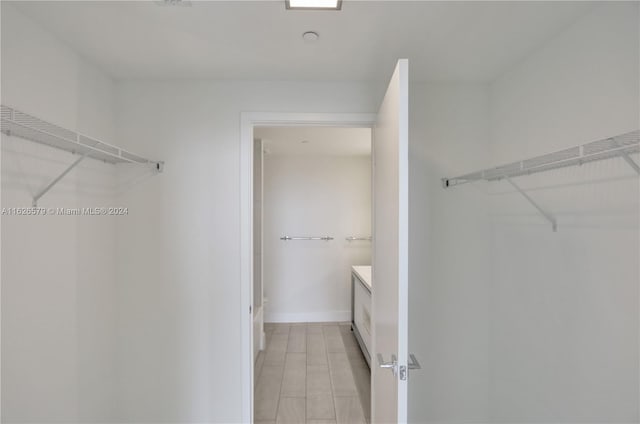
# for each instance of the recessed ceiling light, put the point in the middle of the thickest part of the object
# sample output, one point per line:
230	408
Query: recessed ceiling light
314	4
310	36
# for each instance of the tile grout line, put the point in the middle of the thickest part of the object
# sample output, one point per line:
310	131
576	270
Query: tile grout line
333	394
353	376
306	375
358	394
351	368
284	364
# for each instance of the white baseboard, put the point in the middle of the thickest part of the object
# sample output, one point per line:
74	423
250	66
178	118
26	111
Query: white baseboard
329	316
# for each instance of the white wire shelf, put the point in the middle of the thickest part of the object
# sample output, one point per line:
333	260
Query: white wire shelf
28	127
618	146
23	125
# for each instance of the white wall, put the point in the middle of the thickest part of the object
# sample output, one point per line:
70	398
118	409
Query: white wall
177	262
309	195
512	322
178	249
178	267
449	255
564	306
58	273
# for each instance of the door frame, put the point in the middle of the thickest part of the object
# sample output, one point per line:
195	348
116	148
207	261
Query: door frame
249	120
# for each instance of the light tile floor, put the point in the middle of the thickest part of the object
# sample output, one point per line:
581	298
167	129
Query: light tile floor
311	373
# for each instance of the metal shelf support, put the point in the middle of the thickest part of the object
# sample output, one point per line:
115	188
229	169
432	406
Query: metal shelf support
55	180
631	162
545	214
623	146
627	158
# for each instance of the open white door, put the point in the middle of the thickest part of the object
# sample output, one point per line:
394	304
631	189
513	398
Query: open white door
390	251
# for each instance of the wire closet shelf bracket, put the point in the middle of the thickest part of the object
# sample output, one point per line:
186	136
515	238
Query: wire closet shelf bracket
20	124
622	146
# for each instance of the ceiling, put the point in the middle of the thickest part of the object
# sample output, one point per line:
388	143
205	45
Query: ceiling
473	41
302	141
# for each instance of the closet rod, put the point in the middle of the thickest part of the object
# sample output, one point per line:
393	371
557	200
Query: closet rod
353	238
325	238
618	146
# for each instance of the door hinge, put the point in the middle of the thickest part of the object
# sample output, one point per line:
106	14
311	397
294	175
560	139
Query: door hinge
403	372
250	309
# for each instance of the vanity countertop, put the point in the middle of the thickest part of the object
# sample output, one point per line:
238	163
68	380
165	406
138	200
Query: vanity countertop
364	274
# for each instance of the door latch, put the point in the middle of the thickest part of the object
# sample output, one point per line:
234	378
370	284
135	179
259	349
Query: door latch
401	370
413	364
393	364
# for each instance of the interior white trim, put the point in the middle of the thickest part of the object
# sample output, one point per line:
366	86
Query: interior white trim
247	121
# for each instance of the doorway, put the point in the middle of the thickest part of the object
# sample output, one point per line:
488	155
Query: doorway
312	231
249	122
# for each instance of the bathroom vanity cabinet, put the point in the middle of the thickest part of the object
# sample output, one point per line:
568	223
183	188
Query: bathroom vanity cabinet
361	321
